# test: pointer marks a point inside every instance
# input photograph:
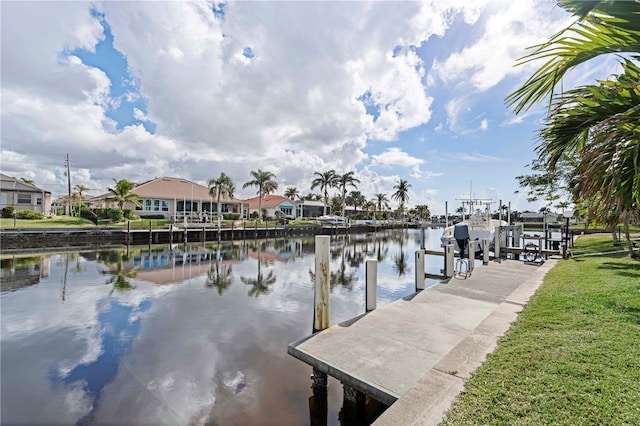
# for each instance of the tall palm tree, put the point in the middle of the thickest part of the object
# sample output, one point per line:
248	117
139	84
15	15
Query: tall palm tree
223	186
291	193
263	180
402	193
343	181
382	201
356	199
123	193
324	181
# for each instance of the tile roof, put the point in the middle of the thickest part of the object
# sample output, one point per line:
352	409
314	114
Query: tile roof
9	183
268	201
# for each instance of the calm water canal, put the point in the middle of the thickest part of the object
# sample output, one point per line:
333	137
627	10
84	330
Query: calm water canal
194	335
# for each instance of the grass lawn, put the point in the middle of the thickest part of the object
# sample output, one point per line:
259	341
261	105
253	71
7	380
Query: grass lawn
54	222
573	355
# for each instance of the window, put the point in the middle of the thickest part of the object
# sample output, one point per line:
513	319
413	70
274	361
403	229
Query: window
39	201
287	210
156	205
139	205
165	206
147	205
224	208
24	198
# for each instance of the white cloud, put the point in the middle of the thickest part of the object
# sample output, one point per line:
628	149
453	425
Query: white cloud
484	125
393	157
509	28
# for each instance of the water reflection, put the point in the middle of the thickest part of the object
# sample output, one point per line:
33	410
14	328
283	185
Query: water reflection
153	346
261	284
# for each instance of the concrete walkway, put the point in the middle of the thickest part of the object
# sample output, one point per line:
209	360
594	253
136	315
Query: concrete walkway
416	353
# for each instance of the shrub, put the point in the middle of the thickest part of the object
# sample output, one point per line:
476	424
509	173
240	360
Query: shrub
29	214
231	216
150	216
128	214
116	215
7	212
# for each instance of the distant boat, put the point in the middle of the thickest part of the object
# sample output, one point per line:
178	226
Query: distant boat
333	221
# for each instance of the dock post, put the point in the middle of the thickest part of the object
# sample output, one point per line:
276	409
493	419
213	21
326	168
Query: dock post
353	405
472	254
496	243
448	260
485	251
419	270
372	284
150	233
171	234
321	305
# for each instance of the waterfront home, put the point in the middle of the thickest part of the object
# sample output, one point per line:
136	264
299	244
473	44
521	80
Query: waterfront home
273	205
539	217
310	209
169	196
23	196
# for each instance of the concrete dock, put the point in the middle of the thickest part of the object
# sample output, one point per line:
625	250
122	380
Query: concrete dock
416	353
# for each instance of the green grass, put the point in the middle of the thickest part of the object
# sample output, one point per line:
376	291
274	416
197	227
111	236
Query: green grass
573	355
55	222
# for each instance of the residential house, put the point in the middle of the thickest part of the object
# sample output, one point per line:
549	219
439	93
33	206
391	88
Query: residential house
23	196
538	217
310	208
272	205
169	196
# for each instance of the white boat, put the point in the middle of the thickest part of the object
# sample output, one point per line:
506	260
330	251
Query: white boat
477	227
333	220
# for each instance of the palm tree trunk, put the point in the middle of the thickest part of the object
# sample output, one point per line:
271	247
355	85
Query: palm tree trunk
627	235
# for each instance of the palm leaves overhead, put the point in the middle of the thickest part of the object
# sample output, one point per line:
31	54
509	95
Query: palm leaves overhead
602	27
343	181
223	186
324	181
600	126
263	180
123	193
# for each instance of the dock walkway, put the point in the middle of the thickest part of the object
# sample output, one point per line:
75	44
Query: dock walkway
417	352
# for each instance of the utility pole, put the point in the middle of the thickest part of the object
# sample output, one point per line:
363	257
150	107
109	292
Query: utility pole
68	186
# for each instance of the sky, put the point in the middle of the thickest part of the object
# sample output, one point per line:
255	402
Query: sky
389	90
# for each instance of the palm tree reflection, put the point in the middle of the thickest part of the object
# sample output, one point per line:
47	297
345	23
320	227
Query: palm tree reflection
120	274
260	284
219	276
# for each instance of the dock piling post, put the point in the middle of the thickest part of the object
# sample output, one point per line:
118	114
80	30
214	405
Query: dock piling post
321	305
419	270
496	243
472	254
448	260
485	251
150	233
372	284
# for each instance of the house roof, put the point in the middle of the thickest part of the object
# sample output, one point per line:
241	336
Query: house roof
268	201
171	187
8	183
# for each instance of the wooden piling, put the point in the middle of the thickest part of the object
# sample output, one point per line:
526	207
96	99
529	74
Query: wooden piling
321	303
419	270
372	284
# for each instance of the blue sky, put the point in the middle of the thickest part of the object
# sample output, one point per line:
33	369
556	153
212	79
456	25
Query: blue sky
390	90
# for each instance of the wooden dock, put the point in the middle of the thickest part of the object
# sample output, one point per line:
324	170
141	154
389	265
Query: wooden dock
416	353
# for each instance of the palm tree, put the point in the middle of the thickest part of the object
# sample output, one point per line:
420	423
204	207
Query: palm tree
423	212
291	193
343	181
263	180
79	189
602	27
122	193
402	193
382	201
368	206
356	199
325	180
223	186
